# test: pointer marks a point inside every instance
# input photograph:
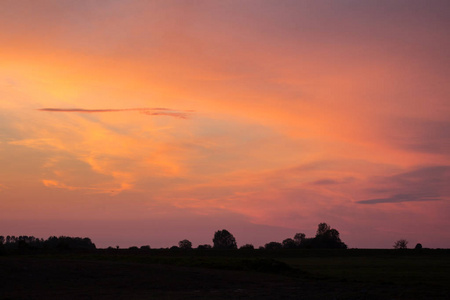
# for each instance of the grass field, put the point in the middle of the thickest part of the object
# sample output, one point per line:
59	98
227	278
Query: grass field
287	274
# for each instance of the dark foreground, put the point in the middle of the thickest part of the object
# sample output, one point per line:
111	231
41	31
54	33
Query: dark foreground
350	274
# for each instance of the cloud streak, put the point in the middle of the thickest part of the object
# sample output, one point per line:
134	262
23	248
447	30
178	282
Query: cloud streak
157	111
112	191
425	136
329	181
423	184
401	198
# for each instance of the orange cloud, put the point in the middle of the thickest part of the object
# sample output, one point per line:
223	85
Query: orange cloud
146	111
112	190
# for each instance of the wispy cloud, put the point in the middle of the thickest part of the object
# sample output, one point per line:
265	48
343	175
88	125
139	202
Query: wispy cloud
102	190
423	184
329	181
325	181
401	198
156	111
176	114
426	136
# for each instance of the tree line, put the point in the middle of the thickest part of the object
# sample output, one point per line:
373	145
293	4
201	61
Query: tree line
325	238
26	243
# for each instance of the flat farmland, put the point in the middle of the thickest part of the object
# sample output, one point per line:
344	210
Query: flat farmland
285	274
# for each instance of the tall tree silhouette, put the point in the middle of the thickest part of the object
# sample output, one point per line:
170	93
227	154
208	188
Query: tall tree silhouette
224	240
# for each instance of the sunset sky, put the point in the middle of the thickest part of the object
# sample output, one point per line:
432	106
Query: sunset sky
147	122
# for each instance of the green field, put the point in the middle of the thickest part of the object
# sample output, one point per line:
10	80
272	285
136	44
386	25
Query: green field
213	274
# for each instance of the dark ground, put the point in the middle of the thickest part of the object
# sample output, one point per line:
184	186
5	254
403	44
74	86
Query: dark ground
143	276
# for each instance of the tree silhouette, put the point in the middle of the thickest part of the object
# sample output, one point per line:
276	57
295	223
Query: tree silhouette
64	243
273	246
204	247
299	238
418	246
322	229
185	244
289	244
401	244
26	244
224	240
247	247
327	237
145	248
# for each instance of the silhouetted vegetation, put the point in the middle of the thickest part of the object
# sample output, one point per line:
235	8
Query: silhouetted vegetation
299	238
224	240
145	248
247	247
204	247
24	244
326	238
401	244
273	246
319	267
289	244
185	244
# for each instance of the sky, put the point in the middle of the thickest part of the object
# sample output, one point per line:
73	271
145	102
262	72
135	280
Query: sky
148	122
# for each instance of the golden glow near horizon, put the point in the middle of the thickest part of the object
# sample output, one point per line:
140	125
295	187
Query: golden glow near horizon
260	117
